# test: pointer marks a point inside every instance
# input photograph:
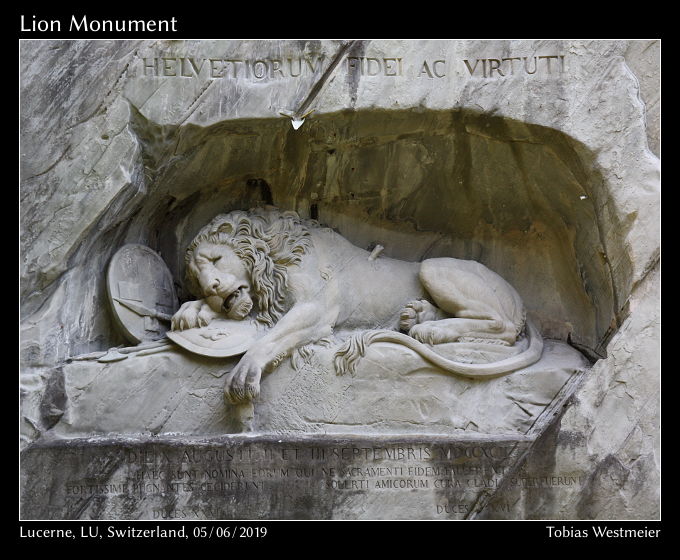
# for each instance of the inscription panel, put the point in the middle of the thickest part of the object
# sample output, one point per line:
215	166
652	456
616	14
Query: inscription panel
278	479
395	66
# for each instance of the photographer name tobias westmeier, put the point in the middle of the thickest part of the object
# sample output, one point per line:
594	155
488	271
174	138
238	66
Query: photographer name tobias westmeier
601	532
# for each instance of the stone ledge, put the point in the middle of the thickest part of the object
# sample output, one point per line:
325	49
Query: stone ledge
182	393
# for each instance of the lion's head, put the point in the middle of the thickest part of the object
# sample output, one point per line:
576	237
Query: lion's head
240	254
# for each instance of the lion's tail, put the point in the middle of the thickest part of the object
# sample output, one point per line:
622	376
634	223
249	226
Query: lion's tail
347	357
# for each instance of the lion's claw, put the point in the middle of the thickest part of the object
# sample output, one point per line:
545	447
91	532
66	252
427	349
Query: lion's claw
425	333
243	382
192	314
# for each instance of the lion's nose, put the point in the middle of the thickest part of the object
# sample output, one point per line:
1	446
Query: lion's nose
215	284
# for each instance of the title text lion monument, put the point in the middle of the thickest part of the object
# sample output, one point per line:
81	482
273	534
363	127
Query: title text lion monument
303	281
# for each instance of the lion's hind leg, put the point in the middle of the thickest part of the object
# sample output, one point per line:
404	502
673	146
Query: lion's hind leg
463	329
479	304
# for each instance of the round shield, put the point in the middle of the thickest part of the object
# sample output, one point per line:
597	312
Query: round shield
141	293
222	338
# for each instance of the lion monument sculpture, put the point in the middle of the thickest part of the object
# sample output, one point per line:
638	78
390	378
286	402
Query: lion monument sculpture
303	281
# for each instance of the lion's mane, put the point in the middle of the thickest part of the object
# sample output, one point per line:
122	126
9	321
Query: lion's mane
268	241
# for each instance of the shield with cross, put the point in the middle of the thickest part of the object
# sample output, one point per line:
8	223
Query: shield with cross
141	292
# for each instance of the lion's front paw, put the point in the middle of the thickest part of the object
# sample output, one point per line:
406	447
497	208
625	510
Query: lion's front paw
243	382
205	316
192	314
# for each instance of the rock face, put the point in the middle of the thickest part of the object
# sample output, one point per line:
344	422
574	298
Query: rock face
538	159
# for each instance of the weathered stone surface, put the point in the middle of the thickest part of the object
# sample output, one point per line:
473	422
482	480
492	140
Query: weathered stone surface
380	399
612	431
643	58
536	158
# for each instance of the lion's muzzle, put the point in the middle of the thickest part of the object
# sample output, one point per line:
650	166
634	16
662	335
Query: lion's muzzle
238	304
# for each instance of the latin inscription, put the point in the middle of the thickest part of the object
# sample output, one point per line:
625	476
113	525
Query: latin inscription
231	68
368	66
392	67
229	481
528	65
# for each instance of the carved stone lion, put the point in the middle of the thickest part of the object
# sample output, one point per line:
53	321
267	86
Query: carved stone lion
303	281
